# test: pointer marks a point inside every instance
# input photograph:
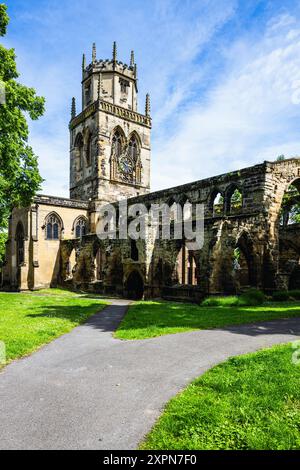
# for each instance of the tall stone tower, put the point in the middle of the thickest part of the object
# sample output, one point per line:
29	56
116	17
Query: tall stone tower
109	139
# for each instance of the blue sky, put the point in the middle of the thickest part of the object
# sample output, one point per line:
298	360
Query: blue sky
223	75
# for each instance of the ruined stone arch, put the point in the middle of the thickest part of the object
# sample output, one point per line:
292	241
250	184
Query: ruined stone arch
248	263
229	192
186	264
212	199
134	284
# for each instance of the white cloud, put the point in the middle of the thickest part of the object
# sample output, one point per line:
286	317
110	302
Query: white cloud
216	107
250	116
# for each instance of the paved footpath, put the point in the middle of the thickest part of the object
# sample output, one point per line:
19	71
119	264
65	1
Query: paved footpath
87	390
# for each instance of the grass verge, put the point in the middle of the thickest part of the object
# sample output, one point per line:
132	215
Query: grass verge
150	319
27	321
249	402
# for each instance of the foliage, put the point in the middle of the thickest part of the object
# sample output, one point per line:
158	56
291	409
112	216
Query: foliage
251	297
218	205
286	295
3	19
295	294
29	320
281	296
19	174
228	301
3	239
236	201
249	402
150	319
280	158
290	208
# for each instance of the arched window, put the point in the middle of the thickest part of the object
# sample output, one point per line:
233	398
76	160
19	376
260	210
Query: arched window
290	207
218	204
53	227
234	200
79	151
20	244
80	227
117	144
133	149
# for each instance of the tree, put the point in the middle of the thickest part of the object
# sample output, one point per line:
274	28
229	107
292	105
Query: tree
290	208
19	174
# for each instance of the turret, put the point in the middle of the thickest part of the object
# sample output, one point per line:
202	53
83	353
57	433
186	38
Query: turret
118	82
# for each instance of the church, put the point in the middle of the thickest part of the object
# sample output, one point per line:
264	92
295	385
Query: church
54	242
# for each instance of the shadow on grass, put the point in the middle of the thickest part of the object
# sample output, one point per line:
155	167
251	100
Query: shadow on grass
98	316
150	319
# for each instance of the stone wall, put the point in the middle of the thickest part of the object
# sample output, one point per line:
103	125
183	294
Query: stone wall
253	230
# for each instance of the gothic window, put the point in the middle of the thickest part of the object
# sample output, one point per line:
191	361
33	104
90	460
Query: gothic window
133	149
80	227
117	144
218	204
53	227
79	151
128	163
124	84
234	200
20	244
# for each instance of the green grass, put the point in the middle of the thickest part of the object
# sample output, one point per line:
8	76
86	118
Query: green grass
150	319
29	320
249	402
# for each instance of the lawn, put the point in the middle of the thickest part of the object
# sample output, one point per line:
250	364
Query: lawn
249	402
150	319
29	320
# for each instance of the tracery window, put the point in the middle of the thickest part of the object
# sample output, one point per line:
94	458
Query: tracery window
80	227
128	162
53	227
117	144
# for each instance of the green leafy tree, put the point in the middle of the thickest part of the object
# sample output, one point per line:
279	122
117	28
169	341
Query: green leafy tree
19	174
290	208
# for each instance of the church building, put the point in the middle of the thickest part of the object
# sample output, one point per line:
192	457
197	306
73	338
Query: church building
54	242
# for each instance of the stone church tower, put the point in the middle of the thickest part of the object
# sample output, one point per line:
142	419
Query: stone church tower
109	139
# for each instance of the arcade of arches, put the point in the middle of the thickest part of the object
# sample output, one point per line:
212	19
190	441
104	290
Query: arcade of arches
251	238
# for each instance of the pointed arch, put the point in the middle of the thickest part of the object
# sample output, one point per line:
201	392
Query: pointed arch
80	226
79	145
118	141
216	202
20	241
136	135
118	130
54	226
233	199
